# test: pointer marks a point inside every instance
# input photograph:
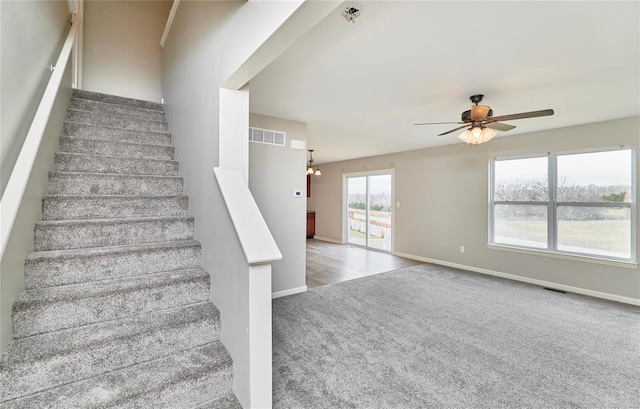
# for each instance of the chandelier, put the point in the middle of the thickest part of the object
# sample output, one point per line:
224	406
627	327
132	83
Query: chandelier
310	169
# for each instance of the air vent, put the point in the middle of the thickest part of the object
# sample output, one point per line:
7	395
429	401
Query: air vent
268	136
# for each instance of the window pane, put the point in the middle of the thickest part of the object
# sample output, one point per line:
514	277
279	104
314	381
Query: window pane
521	179
595	230
521	225
595	177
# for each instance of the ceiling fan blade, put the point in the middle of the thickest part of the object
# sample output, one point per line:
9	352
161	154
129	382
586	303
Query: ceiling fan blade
500	126
479	112
454	129
438	123
522	115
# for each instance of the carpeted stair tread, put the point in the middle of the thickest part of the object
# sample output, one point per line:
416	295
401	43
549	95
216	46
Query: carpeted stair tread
115	148
81	162
74	207
44	310
44	361
116	311
89	131
84	183
113	121
64	267
98	107
113	99
182	380
72	234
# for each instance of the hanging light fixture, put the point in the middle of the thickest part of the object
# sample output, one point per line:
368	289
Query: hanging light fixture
476	135
310	169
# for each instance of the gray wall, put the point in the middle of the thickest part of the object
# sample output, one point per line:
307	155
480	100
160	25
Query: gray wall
443	193
20	243
31	36
274	172
122	53
208	42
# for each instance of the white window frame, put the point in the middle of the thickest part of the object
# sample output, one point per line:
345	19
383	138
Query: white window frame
552	210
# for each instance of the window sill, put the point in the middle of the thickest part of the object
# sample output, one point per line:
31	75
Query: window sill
574	257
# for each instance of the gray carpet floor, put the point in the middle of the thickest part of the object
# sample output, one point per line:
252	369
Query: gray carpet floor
435	337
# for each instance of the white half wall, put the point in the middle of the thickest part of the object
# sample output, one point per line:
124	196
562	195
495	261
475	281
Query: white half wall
274	173
121	52
208	42
443	195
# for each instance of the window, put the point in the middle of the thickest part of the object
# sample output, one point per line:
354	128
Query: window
574	203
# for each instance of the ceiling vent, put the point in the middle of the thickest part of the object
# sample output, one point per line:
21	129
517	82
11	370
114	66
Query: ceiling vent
268	136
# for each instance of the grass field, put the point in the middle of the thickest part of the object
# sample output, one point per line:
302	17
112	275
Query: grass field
608	236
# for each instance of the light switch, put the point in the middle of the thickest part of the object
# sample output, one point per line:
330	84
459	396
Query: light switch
297	193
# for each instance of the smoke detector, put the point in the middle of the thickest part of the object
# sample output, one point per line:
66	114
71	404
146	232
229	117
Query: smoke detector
351	11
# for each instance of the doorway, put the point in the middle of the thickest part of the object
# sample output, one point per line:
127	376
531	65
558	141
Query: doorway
368	210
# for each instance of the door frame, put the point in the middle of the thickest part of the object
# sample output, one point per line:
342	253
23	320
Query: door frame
345	214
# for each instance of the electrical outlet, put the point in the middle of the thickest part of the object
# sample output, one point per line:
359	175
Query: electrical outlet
461	249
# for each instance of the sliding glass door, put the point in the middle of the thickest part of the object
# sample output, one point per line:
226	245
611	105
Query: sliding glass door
368	210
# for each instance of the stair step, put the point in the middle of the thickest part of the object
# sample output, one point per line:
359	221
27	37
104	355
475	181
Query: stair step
116	109
113	99
45	361
180	381
60	207
52	309
85	117
73	183
63	267
79	162
89	131
75	234
111	148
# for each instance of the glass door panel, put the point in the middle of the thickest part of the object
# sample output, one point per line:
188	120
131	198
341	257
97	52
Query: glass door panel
356	210
369	211
379	212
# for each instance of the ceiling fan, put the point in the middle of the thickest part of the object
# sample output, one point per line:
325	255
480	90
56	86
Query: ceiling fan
481	124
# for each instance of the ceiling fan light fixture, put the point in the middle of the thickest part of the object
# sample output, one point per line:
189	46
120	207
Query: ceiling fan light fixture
476	136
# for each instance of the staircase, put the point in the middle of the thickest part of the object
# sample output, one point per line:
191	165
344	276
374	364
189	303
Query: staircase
116	311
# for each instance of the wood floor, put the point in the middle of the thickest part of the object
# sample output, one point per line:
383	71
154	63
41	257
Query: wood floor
329	263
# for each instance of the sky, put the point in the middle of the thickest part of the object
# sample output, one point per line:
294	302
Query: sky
598	168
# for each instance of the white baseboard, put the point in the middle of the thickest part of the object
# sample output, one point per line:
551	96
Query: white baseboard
542	283
290	291
327	240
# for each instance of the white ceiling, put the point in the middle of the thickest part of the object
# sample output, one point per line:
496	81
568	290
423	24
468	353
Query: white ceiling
361	87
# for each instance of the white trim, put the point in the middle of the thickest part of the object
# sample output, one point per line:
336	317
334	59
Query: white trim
255	237
542	283
565	256
327	240
12	196
167	27
290	291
